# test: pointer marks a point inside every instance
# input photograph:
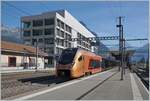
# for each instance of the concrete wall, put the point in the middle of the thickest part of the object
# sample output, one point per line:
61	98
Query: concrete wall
19	61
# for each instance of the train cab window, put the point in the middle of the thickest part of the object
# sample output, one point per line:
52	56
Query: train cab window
67	56
80	58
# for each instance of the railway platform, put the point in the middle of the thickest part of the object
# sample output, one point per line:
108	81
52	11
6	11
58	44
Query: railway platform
102	86
9	71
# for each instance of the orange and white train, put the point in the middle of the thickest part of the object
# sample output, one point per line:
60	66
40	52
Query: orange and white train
75	62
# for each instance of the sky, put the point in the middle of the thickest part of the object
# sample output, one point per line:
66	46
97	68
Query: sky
99	16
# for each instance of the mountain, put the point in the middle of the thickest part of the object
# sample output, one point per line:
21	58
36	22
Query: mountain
141	53
10	34
127	45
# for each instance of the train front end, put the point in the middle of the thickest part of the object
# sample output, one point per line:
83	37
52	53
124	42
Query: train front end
66	62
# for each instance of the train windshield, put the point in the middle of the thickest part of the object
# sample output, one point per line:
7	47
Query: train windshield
67	56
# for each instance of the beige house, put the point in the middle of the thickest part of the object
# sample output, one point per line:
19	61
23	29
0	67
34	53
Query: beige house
19	56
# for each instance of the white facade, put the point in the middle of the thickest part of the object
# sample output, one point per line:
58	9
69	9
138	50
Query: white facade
61	26
18	62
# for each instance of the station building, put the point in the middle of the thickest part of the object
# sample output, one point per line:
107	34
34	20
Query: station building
50	31
20	56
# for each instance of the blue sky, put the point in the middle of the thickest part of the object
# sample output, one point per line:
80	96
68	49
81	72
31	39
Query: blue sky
99	16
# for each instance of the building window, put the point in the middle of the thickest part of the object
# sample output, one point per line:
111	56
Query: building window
62	25
62	34
59	51
49	21
68	29
37	32
58	32
50	60
58	23
69	44
40	40
26	33
65	44
51	51
26	24
27	40
49	41
67	36
34	42
60	42
37	23
12	61
49	31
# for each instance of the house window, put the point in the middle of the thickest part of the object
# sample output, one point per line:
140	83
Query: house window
32	62
49	21
12	61
37	23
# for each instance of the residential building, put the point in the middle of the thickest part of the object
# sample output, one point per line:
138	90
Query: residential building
19	56
53	31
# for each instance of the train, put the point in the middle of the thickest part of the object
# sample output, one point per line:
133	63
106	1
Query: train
76	62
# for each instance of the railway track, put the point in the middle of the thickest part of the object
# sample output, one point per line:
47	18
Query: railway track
21	83
145	82
142	75
15	84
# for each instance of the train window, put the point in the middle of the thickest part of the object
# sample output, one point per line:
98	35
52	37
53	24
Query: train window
100	64
95	63
67	56
80	58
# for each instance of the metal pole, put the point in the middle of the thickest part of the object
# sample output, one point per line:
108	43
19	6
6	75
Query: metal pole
122	68
36	54
119	39
121	45
124	57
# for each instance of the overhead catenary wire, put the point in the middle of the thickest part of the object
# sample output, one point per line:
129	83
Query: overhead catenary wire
20	10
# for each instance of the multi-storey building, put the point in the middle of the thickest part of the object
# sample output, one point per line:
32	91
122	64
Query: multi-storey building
52	30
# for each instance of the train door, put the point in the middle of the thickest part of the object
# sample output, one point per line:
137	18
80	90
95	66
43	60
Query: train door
81	62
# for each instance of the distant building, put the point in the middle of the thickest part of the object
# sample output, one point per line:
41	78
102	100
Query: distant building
19	56
50	29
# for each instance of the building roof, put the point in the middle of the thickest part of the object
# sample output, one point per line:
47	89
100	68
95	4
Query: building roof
20	48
